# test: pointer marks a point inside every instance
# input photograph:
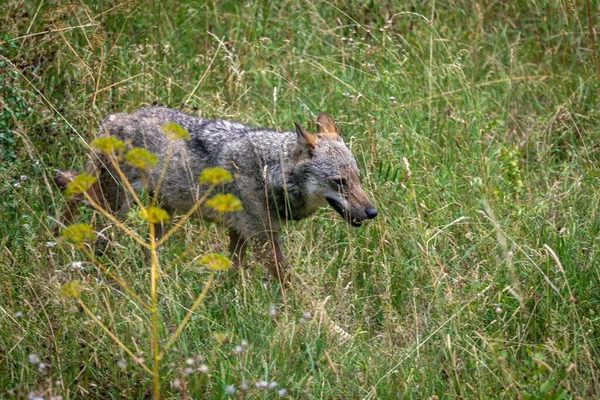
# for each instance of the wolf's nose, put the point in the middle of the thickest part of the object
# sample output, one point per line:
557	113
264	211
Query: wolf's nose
371	212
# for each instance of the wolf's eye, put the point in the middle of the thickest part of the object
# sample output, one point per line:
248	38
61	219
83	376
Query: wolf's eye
340	182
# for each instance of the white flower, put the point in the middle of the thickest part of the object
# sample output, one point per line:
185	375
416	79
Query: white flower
272	311
122	363
50	244
282	392
230	390
238	349
203	369
262	384
273	385
176	384
34	358
78	265
34	396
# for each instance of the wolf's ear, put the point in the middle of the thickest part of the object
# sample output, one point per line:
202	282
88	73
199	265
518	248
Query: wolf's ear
326	127
306	141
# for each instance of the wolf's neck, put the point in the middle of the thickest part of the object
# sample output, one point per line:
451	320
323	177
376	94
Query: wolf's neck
287	186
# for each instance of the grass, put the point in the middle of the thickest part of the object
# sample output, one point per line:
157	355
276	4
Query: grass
475	125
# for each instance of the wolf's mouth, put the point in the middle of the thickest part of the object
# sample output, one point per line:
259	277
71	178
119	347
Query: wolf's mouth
337	206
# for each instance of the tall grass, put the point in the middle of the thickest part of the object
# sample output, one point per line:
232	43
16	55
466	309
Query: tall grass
476	127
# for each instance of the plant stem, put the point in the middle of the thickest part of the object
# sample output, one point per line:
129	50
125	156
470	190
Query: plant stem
591	28
163	172
189	314
112	336
125	181
186	216
114	220
191	246
115	278
154	315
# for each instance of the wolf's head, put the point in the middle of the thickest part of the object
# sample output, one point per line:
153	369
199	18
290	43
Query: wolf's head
333	173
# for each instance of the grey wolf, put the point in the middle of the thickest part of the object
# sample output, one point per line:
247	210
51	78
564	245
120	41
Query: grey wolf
278	176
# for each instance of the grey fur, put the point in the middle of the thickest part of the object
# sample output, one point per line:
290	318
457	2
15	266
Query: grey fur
278	176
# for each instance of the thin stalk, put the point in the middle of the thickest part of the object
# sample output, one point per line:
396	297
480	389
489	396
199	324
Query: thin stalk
154	315
591	28
115	278
115	221
189	314
163	172
125	181
185	217
112	336
183	254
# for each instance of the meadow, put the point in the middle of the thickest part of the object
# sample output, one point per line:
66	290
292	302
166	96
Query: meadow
476	127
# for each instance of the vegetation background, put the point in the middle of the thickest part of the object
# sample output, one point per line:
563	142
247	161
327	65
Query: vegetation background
475	124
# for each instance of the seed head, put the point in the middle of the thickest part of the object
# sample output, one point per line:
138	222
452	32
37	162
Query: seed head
33	358
216	262
230	390
214	176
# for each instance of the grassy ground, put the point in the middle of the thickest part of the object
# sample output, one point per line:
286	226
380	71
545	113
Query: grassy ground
476	127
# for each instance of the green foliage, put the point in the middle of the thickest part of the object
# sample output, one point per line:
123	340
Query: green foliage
14	105
474	125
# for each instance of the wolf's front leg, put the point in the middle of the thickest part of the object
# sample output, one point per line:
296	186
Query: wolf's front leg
237	248
268	249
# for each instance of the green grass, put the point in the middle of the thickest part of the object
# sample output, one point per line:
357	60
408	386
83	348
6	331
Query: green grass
476	127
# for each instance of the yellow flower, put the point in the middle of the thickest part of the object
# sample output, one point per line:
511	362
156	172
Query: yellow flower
108	144
214	176
224	203
141	158
175	131
71	289
80	184
216	262
78	233
155	215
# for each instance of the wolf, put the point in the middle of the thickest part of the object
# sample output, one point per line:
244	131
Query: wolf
278	176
